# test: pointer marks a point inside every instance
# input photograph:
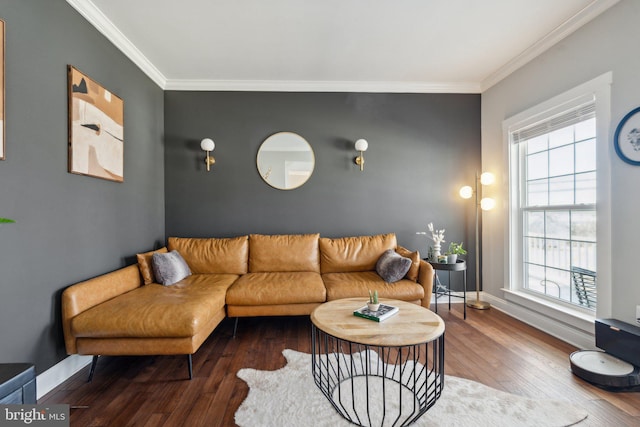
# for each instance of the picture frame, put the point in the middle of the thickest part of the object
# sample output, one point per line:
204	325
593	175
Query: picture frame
2	93
626	139
96	129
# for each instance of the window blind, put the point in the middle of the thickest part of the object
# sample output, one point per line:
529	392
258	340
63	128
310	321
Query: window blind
562	120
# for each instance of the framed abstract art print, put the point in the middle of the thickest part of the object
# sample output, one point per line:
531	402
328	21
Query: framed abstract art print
96	129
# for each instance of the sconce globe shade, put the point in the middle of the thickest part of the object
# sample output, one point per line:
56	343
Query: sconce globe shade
207	144
487	204
487	178
466	192
362	145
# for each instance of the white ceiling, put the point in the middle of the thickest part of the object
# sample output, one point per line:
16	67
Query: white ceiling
462	46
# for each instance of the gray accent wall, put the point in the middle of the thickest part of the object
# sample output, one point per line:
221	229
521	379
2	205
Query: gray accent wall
69	227
422	148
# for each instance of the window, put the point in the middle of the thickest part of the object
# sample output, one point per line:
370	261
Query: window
557	164
559	218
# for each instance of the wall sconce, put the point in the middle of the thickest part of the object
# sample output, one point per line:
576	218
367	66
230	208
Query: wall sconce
361	146
208	145
484	204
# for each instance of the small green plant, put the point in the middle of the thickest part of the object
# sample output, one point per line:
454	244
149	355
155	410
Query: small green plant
6	221
456	248
373	297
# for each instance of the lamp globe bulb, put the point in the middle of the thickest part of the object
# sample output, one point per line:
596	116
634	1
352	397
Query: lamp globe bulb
487	204
362	145
487	178
207	144
466	192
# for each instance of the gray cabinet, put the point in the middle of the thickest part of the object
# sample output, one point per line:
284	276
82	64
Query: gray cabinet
17	383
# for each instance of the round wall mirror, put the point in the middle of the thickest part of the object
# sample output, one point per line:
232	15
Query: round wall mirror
285	160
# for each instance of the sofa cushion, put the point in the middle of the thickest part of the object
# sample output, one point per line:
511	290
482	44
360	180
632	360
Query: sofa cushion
349	254
392	266
412	274
169	268
357	284
288	252
145	265
157	311
277	288
213	255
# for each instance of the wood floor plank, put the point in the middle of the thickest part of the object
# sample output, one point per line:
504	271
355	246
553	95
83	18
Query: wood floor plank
156	420
489	347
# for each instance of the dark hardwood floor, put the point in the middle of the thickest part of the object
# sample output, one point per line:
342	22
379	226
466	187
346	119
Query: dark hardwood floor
489	347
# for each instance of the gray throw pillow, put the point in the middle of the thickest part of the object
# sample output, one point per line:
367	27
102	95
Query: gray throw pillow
169	267
391	266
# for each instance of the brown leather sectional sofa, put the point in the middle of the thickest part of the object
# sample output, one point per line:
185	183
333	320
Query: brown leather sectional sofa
125	313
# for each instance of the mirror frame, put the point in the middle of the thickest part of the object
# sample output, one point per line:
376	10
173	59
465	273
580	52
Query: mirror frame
275	137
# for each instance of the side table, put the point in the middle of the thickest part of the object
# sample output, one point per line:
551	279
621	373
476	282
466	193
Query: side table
441	291
17	384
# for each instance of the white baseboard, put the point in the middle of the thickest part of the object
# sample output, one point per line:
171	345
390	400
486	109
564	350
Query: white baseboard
577	337
59	373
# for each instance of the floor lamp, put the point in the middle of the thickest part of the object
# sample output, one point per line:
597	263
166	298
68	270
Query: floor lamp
482	204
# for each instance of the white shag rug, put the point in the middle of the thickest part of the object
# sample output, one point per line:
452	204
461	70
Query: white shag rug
289	397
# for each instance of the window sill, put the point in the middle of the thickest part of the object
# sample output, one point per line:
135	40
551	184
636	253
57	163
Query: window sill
574	317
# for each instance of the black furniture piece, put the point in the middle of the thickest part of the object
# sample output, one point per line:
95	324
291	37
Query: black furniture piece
440	290
620	339
17	384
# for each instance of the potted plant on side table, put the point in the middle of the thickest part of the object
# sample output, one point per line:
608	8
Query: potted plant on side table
455	249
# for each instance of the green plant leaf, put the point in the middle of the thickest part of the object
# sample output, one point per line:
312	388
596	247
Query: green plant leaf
373	297
456	248
6	221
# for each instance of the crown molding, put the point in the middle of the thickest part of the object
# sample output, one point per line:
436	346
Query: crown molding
96	18
322	86
591	11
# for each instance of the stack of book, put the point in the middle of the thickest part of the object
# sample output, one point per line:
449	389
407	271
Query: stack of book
382	314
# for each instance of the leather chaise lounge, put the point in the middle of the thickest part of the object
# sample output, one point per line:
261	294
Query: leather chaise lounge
125	313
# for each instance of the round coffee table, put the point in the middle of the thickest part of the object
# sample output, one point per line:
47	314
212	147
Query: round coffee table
378	373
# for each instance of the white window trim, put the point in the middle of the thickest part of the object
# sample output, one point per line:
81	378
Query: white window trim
600	88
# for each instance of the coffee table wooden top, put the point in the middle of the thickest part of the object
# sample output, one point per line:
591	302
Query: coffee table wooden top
413	324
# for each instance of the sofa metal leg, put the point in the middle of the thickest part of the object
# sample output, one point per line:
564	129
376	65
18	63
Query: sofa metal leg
235	327
190	361
94	362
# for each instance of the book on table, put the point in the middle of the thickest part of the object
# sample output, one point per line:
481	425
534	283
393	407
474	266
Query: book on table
383	313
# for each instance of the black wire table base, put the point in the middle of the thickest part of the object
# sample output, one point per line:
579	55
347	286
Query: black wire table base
373	385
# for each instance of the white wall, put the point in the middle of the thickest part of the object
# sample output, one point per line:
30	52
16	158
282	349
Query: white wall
611	42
